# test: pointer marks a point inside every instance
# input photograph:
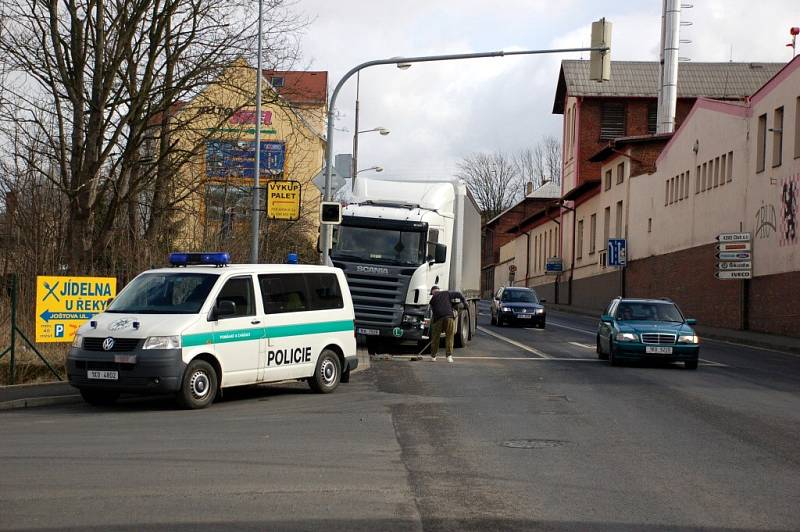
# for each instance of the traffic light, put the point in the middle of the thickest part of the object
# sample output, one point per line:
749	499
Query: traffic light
330	213
600	62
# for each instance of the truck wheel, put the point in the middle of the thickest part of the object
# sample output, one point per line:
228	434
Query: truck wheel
326	376
462	333
199	386
99	397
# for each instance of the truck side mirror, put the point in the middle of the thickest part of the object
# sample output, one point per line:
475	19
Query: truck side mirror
440	254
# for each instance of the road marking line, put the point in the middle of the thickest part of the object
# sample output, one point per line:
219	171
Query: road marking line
468	357
585	346
584	331
712	363
514	343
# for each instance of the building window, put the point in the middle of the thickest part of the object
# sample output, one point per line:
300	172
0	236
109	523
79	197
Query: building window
705	175
649	225
716	172
697	181
666	193
606	224
592	234
652	118
723	161
607	185
687	184
612	120
579	241
777	137
730	166
277	81
574	119
620	173
619	219
797	128
761	140
567	131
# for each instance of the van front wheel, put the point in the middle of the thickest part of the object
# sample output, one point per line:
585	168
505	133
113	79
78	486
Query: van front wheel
199	385
328	373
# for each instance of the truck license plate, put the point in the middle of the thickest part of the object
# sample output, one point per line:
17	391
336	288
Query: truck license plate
658	350
104	375
368	332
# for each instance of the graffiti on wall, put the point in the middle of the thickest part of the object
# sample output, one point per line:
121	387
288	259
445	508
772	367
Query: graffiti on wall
766	221
790	189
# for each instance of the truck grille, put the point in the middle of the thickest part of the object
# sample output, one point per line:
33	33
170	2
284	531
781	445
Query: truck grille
378	300
658	338
120	344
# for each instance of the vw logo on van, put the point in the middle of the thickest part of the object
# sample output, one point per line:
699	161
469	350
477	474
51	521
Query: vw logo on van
108	344
372	269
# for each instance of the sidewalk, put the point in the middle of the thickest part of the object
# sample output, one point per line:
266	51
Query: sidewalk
750	338
29	395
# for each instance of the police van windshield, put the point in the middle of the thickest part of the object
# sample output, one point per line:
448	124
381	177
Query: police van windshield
165	293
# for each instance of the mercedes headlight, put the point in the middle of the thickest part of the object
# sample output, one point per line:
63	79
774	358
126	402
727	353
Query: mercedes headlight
77	341
162	342
688	339
626	337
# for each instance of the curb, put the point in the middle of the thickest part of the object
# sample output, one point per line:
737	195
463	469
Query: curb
40	401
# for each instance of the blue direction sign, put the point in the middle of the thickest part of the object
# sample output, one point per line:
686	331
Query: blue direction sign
554	266
617	252
236	158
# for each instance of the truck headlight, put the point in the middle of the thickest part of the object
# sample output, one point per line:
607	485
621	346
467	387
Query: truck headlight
162	342
411	318
626	337
77	342
688	339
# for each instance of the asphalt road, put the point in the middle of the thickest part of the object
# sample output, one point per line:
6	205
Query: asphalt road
527	430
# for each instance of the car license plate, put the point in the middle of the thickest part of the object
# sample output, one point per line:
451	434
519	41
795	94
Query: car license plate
524	316
368	332
658	350
103	375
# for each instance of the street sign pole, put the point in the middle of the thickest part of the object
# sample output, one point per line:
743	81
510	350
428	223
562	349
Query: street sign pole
257	170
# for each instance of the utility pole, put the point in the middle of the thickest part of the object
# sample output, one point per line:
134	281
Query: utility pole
354	165
257	166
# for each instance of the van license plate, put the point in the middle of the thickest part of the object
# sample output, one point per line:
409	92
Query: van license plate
658	350
103	375
368	332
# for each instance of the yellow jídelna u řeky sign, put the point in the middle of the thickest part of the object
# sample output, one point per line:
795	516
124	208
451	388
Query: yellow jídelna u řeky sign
65	303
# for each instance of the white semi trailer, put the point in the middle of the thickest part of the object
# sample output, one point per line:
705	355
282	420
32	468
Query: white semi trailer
399	238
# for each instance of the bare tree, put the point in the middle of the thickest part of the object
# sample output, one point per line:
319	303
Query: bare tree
539	164
493	181
92	78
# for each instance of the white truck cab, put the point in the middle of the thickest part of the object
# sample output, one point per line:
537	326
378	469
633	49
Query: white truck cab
203	325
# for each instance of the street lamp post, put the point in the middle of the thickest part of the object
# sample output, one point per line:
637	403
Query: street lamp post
404	62
376	168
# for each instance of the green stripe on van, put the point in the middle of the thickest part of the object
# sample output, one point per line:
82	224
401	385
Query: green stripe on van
254	333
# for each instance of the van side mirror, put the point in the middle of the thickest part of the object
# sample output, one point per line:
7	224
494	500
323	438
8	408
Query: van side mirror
440	254
607	318
223	308
691	321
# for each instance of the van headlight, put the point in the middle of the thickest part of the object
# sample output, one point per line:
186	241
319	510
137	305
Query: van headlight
688	339
77	342
626	337
162	342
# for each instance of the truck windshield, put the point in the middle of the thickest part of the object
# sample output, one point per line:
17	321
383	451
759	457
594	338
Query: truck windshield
388	246
164	293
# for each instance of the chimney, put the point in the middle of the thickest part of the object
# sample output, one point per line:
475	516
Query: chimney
529	188
668	88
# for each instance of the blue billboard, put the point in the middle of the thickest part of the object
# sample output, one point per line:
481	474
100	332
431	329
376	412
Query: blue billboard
237	158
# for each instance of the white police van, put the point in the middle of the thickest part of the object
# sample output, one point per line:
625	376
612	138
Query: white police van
203	325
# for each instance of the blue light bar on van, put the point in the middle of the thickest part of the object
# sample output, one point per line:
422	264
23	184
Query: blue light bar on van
216	258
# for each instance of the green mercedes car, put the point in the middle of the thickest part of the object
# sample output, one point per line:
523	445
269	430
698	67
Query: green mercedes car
647	329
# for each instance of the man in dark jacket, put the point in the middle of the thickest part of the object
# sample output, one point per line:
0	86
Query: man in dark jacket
443	315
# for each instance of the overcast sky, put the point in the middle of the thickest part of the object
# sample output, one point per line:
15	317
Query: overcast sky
440	112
